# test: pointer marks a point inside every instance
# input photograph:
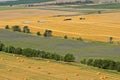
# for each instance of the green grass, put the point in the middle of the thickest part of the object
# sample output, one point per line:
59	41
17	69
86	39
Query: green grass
61	46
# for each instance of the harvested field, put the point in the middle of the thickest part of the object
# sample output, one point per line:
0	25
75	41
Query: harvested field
97	27
32	69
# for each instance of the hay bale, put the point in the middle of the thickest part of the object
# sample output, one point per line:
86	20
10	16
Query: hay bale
38	67
17	58
22	60
48	61
25	79
2	59
102	78
9	70
98	73
13	55
29	66
77	74
66	79
49	73
105	77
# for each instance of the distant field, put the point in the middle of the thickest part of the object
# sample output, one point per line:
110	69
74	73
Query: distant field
30	69
61	46
96	27
11	8
100	6
22	2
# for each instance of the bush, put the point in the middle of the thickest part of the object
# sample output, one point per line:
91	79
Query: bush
80	39
1	46
28	52
47	33
26	29
104	64
18	51
7	27
38	33
69	58
65	37
16	28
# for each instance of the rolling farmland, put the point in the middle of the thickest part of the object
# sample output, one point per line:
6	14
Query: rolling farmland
61	46
98	27
83	31
31	69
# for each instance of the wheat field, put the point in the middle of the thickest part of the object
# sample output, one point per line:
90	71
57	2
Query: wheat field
98	27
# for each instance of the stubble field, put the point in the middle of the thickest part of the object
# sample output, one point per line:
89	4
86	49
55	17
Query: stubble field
14	67
97	27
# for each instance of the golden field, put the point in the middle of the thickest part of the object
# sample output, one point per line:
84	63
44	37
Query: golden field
96	27
14	67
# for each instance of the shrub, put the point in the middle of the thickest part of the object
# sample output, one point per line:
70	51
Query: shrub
26	29
18	51
47	33
104	64
65	37
1	46
38	33
16	28
80	39
7	27
69	58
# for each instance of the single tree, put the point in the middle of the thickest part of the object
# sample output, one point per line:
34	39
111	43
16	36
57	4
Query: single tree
7	27
38	33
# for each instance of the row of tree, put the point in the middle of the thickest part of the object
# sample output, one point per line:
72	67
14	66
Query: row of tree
17	28
28	52
47	33
102	63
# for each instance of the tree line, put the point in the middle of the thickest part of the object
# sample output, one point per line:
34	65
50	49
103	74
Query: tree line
28	52
26	29
102	63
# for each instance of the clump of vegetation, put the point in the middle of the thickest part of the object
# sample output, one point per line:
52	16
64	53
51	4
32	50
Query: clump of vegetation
110	39
99	12
47	33
80	39
38	33
69	58
65	37
82	18
16	28
28	52
7	27
26	29
102	63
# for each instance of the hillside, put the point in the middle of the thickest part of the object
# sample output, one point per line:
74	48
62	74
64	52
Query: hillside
14	67
61	46
99	29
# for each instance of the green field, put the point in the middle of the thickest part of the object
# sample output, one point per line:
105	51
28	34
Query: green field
22	2
61	46
98	6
